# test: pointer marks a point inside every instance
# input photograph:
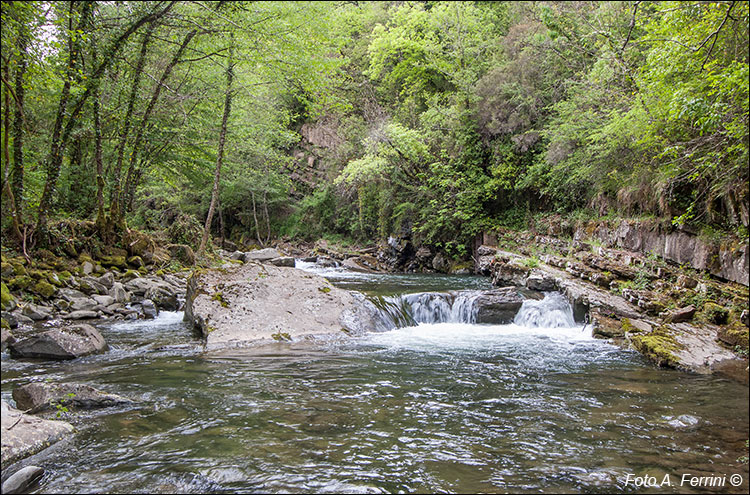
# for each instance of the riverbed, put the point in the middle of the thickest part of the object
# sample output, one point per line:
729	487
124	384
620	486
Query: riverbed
445	406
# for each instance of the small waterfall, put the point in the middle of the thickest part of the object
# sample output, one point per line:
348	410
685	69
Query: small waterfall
554	311
427	307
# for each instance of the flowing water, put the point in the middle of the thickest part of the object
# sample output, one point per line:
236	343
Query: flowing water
441	405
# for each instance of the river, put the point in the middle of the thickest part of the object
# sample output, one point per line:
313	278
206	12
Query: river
537	405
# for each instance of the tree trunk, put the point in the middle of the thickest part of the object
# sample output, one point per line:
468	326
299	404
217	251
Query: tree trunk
100	220
7	190
115	202
18	167
130	181
54	160
220	157
255	217
59	140
268	218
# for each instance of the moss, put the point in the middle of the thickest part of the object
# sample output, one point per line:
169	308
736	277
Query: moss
45	289
19	268
136	261
114	261
218	296
7	269
735	335
324	290
20	283
4	324
281	336
629	327
54	279
38	274
159	273
64	276
713	313
7	301
658	345
129	275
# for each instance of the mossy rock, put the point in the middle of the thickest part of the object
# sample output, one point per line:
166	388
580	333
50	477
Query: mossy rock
45	289
38	274
129	275
24	282
735	335
114	261
136	262
462	267
64	276
658	345
713	313
85	257
4	324
19	268
7	301
7	270
54	279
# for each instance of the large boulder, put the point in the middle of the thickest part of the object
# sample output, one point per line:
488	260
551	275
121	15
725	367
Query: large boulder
38	396
60	343
498	306
253	302
24	435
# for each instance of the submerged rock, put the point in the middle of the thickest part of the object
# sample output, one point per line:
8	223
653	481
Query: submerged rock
24	435
60	343
23	479
255	302
36	397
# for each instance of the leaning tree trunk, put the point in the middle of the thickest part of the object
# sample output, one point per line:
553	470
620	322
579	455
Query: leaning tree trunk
60	137
115	203
220	157
131	180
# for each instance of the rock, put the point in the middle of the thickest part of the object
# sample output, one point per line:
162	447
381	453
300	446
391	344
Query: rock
61	343
483	265
107	280
440	264
24	435
682	314
686	282
283	261
22	480
90	285
81	315
270	303
45	289
7	301
114	261
39	396
237	256
136	261
119	293
36	312
506	272
498	306
22	319
744	319
103	300
484	250
605	327
87	268
423	254
261	255
149	309
83	304
6	337
11	318
538	280
162	297
181	252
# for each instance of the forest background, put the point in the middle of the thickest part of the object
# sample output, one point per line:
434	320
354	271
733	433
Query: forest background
354	121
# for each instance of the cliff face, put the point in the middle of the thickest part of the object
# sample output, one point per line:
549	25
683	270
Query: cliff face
727	259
